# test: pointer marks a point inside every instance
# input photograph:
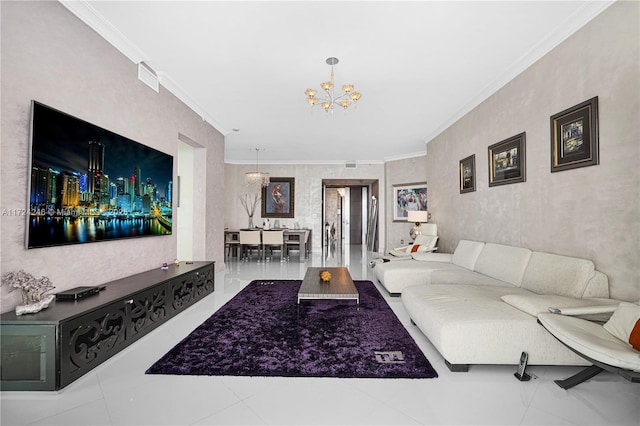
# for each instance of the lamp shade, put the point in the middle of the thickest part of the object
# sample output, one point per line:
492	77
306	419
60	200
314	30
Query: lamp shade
418	216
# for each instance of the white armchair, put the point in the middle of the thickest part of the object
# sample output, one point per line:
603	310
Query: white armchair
424	243
613	346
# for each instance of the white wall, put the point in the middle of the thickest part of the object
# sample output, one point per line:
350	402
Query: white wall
51	56
591	212
184	203
308	193
194	218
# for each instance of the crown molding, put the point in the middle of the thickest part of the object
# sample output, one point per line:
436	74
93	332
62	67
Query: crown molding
87	14
330	162
168	83
406	156
564	30
303	162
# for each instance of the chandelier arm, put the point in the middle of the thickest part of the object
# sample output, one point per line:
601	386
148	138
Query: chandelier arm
344	95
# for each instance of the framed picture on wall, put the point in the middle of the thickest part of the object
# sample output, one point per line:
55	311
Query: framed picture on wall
574	137
468	174
278	198
507	161
407	197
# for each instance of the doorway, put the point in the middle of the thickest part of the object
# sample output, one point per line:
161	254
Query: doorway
189	194
184	200
347	216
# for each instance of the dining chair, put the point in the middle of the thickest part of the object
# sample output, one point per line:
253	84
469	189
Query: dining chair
248	241
294	242
271	240
231	243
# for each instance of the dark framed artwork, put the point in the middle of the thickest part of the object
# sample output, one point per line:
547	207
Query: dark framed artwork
574	137
407	197
507	161
278	198
468	174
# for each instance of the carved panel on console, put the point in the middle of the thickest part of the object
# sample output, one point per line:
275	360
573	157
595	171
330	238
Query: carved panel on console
146	311
91	339
204	282
183	292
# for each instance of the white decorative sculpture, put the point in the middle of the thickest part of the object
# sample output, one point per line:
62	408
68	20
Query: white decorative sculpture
32	308
33	291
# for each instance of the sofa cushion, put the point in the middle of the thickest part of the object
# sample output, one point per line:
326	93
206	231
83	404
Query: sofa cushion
464	276
598	286
535	304
395	276
554	274
432	257
466	253
625	324
505	263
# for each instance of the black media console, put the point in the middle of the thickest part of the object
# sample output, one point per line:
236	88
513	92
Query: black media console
52	348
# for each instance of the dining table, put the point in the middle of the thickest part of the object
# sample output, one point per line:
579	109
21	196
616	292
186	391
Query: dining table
301	236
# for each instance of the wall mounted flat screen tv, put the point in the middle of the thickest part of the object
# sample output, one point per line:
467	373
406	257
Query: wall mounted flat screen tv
88	184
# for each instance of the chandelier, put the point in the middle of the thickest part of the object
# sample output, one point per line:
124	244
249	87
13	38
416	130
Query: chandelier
257	178
345	100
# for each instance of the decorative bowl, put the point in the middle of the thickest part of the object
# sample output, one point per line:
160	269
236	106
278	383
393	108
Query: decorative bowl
325	276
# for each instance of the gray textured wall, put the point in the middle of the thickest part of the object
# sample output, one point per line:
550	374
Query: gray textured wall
402	172
51	56
591	212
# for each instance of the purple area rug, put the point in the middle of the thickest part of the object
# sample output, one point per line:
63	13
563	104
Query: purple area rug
262	331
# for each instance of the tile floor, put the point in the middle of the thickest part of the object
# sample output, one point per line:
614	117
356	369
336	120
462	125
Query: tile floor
119	393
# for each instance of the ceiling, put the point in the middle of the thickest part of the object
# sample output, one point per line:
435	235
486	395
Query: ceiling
419	65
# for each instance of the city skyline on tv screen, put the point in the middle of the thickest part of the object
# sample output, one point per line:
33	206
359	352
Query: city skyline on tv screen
90	184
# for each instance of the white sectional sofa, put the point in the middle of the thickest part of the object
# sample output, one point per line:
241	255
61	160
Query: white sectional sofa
479	305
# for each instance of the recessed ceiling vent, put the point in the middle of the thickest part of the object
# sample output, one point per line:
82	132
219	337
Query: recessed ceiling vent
350	165
148	76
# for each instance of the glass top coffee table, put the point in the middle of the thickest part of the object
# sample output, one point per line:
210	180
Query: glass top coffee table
339	287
